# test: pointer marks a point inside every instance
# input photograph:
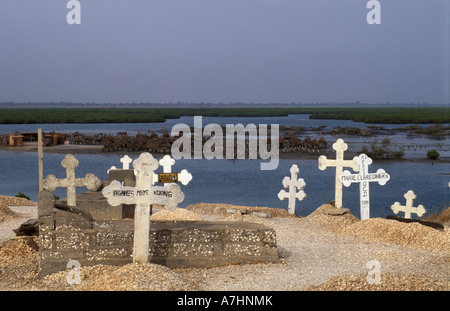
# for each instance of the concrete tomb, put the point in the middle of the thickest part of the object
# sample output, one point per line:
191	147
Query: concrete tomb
293	184
71	233
339	146
364	178
142	195
408	208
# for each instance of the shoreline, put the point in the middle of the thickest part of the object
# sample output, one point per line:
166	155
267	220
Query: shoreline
97	149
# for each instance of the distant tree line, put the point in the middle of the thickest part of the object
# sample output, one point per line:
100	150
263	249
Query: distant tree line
391	115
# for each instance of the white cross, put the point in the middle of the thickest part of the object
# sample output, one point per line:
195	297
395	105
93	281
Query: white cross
167	162
126	160
340	146
364	178
143	195
292	183
408	208
184	177
90	181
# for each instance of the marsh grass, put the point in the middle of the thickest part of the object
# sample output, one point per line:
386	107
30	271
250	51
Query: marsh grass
404	115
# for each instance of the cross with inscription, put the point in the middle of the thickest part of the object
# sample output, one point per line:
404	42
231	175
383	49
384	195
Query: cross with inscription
364	178
293	183
143	195
167	176
339	146
408	208
90	181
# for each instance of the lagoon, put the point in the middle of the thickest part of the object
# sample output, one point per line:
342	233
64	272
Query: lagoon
241	182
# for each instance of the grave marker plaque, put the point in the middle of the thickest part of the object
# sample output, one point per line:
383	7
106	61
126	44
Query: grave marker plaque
165	178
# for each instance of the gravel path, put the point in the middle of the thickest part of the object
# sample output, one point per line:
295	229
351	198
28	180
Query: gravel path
314	255
311	255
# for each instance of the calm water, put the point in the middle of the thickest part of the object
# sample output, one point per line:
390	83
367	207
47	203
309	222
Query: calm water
241	181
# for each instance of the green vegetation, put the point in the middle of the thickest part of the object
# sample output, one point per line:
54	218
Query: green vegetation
384	115
432	154
437	130
21	195
382	151
127	115
149	115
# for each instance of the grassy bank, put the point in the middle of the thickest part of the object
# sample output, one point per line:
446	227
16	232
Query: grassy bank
382	115
402	115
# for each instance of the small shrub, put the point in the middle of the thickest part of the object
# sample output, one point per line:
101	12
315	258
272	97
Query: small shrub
21	195
432	154
398	154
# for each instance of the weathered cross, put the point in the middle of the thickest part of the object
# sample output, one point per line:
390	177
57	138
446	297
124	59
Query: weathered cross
408	208
143	195
292	183
167	176
339	146
364	178
90	181
126	160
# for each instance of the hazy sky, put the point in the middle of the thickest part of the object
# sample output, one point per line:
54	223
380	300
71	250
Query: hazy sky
215	51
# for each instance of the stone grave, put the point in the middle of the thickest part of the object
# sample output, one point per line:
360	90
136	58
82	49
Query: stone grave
71	233
364	178
293	184
92	201
339	163
143	195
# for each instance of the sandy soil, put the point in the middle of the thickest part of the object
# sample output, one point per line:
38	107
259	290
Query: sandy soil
317	252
